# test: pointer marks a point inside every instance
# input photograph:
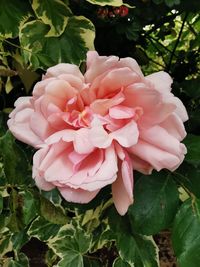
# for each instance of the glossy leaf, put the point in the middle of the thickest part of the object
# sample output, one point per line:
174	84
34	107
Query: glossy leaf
19	239
70	47
120	263
1	203
188	177
16	165
30	206
137	250
12	13
42	229
71	258
192	143
156	196
106	2
87	261
53	13
185	234
69	240
5	242
22	261
52	213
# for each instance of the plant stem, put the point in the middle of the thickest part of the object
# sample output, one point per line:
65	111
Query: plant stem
177	42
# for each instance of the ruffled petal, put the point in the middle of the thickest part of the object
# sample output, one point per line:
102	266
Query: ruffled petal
126	136
155	156
77	195
122	188
64	68
161	81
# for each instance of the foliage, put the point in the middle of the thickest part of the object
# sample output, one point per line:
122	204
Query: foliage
160	35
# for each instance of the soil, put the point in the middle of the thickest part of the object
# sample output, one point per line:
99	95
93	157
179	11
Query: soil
36	250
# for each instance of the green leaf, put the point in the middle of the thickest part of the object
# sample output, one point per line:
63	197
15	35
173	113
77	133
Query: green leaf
69	240
120	263
185	234
53	196
53	13
30	206
19	239
3	124
106	2
42	229
171	3
156	196
191	87
16	165
16	219
137	250
192	143
188	177
1	203
88	262
22	261
12	13
70	47
52	213
5	242
71	258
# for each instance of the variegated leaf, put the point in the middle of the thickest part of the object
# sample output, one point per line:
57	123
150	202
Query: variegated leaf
71	46
53	13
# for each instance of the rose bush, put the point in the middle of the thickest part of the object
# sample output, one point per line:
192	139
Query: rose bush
92	130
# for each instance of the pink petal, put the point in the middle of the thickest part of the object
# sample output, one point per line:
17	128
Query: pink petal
115	80
98	136
56	121
174	126
141	165
132	64
180	108
40	126
19	122
157	115
38	175
60	89
139	95
155	156
64	135
96	65
161	81
121	112
88	167
159	137
122	189
73	80
77	195
119	151
126	136
82	141
40	86
106	174
101	106
64	68
57	165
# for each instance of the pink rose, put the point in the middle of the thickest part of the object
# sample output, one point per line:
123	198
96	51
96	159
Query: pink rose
94	129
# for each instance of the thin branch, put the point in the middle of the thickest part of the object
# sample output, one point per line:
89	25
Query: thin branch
157	50
157	41
17	46
161	22
177	42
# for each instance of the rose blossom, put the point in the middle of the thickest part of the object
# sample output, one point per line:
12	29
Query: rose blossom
94	129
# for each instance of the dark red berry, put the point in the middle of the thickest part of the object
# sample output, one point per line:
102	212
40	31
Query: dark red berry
102	12
123	11
116	10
